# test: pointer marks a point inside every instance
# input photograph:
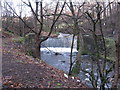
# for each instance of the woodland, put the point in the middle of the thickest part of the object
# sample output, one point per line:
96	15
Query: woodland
60	44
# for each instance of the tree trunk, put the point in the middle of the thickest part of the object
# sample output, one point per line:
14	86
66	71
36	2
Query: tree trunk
37	46
78	42
71	63
76	68
80	47
116	75
104	13
37	53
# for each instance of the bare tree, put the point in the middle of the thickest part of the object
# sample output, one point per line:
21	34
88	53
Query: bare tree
39	18
102	72
21	24
7	15
75	16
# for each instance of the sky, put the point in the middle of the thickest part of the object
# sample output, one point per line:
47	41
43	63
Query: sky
27	11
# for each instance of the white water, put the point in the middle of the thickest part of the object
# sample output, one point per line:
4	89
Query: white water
58	49
62	41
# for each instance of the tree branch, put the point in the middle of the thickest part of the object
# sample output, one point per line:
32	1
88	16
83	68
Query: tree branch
21	19
54	21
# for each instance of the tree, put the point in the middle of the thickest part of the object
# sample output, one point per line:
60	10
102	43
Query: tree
39	18
99	39
75	16
116	75
7	14
21	24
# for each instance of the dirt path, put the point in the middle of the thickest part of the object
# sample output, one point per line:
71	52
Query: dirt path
20	70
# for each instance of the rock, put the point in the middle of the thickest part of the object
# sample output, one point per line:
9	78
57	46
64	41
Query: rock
87	79
73	78
65	75
87	74
87	69
58	53
63	61
78	80
48	52
3	36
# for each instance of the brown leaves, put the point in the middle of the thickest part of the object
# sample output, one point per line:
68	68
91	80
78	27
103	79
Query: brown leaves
7	82
26	71
12	85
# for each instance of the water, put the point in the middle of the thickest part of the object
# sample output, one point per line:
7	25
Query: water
59	61
62	45
58	49
63	41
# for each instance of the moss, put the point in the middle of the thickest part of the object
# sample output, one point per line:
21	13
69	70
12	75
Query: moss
108	58
111	53
110	46
20	40
30	52
57	33
59	84
76	68
29	34
86	51
9	32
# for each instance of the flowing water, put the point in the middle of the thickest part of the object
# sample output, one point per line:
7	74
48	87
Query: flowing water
62	41
56	52
62	46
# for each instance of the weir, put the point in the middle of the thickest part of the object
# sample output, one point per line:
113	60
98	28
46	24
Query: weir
63	41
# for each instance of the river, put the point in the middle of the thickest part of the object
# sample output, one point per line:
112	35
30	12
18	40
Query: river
56	52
